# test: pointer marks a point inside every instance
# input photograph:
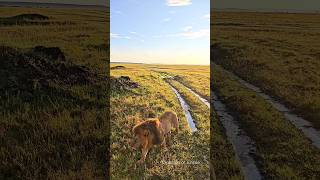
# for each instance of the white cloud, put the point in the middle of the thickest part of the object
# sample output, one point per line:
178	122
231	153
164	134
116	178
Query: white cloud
166	19
187	33
112	35
187	28
118	36
207	16
194	34
178	2
136	35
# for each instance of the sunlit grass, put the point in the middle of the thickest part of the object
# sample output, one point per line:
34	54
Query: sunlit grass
152	98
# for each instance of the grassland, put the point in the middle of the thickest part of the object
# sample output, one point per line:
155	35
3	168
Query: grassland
291	155
52	127
195	77
150	99
277	52
83	38
223	159
224	163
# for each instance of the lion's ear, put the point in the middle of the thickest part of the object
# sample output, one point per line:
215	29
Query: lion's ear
146	133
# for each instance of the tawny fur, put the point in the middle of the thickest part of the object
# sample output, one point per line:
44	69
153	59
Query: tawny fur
168	121
153	132
147	134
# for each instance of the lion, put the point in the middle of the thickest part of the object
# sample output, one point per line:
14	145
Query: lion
168	121
146	135
153	131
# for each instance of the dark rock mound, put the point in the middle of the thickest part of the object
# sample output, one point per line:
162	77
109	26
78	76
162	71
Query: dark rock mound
53	53
117	67
123	83
25	19
30	17
26	71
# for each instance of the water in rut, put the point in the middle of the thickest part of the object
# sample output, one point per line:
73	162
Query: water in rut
242	144
186	109
206	102
302	124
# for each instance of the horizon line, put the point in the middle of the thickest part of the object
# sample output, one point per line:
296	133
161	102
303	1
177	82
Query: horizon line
53	3
119	62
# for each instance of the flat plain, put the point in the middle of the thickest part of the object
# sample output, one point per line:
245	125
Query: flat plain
53	94
279	54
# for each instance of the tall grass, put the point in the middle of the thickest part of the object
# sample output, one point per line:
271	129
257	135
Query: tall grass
60	132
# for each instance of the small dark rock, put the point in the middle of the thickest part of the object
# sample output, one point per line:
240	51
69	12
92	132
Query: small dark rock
117	67
126	78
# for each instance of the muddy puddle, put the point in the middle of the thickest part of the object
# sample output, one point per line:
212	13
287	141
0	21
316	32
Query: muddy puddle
206	102
302	124
242	144
186	109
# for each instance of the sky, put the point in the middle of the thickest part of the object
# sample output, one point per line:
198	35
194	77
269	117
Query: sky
160	31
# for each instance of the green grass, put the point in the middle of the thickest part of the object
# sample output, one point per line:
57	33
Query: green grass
152	98
224	164
196	77
278	52
59	131
223	160
282	149
87	28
